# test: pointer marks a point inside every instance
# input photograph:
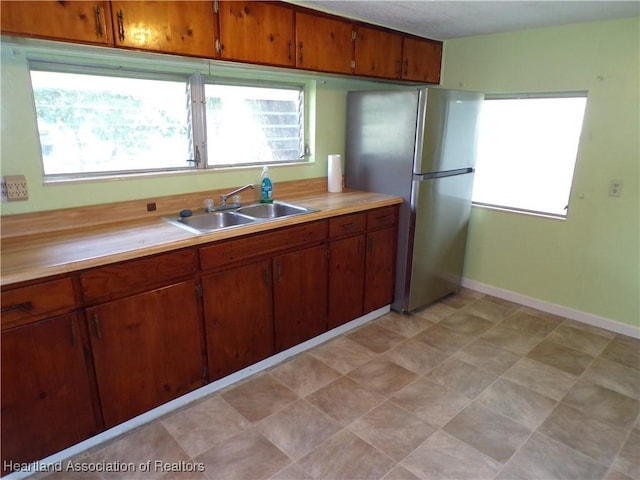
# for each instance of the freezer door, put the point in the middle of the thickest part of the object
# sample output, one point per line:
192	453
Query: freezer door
450	131
440	208
380	143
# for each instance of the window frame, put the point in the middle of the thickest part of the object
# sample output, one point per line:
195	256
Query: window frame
202	140
540	95
195	74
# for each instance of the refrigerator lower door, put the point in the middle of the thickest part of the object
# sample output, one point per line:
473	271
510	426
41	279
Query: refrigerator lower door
440	216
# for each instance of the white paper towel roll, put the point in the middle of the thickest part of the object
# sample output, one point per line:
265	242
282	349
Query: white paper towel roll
334	176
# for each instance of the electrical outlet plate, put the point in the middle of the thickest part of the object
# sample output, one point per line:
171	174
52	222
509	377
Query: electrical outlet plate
3	190
16	186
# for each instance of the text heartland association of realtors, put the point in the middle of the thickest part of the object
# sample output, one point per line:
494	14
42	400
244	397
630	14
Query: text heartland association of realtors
115	466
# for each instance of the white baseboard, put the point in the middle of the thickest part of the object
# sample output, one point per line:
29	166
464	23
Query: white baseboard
577	315
60	459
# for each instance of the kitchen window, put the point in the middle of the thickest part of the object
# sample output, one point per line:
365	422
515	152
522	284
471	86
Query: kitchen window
527	150
253	124
96	122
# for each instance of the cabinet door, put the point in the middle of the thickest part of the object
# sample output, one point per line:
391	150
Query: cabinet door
324	44
47	402
183	28
379	269
147	350
378	53
257	32
300	295
238	313
421	60
346	279
77	21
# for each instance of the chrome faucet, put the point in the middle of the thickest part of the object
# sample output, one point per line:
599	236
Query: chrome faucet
223	198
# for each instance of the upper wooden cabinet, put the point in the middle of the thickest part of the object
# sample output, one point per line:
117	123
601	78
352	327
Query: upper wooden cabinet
378	53
257	32
184	28
80	21
324	44
421	60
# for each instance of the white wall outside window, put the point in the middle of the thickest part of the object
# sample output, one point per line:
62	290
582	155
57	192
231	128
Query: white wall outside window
527	149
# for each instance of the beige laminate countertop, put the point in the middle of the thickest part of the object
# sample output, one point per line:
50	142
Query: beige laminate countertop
32	257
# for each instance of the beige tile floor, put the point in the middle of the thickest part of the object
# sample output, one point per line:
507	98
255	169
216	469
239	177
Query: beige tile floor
471	388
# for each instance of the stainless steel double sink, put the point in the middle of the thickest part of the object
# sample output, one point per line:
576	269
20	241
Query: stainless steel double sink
205	222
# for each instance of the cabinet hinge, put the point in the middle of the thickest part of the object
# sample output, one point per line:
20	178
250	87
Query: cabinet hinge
353	35
218	45
353	64
216	6
199	291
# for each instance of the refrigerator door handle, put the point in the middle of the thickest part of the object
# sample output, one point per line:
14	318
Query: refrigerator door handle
447	173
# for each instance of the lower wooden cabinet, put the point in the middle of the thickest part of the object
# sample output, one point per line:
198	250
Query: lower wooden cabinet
47	401
158	327
238	317
380	269
346	279
147	350
300	295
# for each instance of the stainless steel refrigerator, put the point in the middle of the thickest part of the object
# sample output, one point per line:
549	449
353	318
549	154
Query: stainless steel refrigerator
419	144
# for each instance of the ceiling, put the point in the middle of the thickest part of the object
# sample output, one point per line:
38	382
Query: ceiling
442	20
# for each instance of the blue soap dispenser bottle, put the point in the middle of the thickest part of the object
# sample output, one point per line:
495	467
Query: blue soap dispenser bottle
266	186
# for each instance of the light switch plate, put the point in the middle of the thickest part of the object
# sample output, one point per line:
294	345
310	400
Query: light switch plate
615	188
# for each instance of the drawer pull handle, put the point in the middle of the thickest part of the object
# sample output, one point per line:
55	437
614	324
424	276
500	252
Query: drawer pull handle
74	340
278	271
25	307
348	226
99	30
265	277
96	322
120	17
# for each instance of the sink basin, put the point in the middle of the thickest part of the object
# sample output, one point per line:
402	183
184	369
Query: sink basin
205	222
273	210
209	222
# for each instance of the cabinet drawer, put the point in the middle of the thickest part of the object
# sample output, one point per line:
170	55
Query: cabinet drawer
124	278
381	217
261	244
347	224
37	301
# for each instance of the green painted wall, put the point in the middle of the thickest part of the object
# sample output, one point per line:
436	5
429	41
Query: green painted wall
590	261
20	150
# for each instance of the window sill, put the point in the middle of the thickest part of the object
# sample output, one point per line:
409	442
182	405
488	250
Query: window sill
119	176
519	211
